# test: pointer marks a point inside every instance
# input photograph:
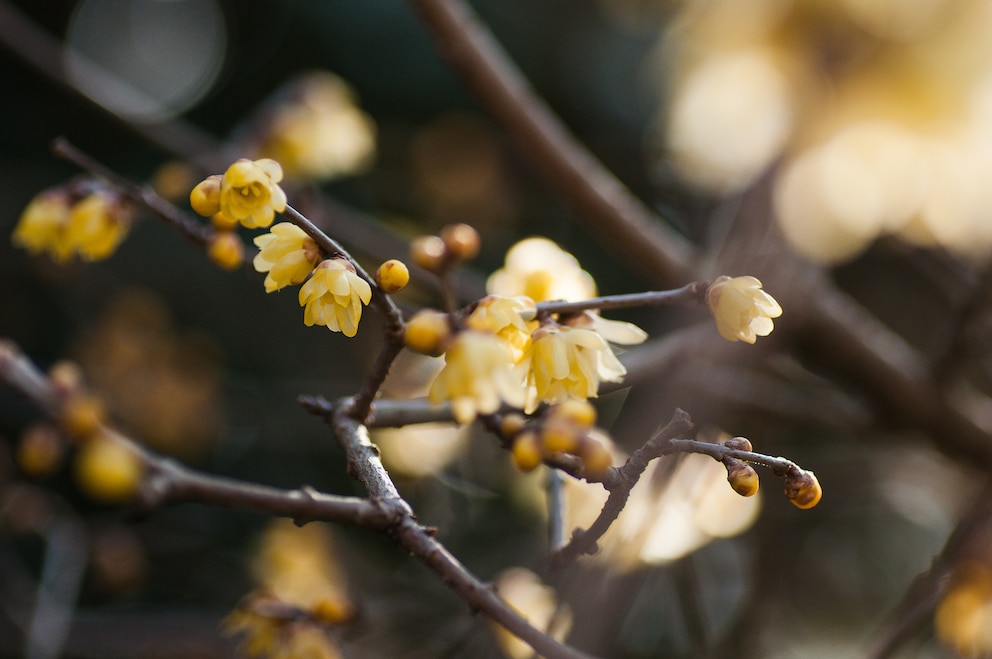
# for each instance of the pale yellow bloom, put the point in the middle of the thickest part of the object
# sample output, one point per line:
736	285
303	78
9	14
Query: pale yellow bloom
509	318
91	228
565	362
741	309
477	377
333	296
541	270
287	254
41	227
538	603
97	225
321	133
250	192
614	331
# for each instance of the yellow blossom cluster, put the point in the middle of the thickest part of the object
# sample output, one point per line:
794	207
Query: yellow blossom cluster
877	111
69	222
547	361
333	297
248	192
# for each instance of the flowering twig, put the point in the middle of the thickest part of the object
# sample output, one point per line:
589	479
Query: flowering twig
694	293
139	194
621	481
385	510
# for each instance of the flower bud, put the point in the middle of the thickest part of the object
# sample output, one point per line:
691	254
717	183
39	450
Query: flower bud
742	477
802	488
332	611
226	250
392	276
595	456
430	253
427	332
461	241
107	470
559	436
205	197
580	412
739	444
40	451
223	222
511	424
527	451
82	416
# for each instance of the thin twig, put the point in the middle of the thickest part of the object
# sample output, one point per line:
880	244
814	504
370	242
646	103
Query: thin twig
690	294
626	477
607	206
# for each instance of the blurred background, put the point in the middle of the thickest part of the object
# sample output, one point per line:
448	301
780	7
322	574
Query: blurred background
848	139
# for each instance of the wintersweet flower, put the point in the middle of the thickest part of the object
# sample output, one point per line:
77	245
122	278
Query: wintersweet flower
741	309
541	270
41	227
567	362
97	225
509	318
477	377
333	297
287	254
250	192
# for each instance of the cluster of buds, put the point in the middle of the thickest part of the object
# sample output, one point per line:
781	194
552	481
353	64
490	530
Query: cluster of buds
801	486
84	219
454	244
105	468
566	428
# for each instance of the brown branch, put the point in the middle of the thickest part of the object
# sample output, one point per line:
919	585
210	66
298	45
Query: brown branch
385	510
690	294
623	480
365	466
607	206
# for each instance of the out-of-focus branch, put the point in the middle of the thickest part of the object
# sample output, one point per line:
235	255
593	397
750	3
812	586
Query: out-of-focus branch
619	485
608	207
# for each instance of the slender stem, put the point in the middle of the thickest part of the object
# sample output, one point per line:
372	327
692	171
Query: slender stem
142	195
694	293
779	466
584	541
556	510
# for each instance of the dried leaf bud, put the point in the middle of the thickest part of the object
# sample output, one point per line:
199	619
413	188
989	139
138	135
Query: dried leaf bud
82	416
511	425
742	477
739	444
392	276
427	332
527	451
802	488
462	241
226	250
430	253
40	451
205	197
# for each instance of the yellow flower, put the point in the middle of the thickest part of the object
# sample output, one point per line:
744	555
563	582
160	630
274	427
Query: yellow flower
321	133
509	318
614	331
541	270
566	362
41	227
477	376
742	310
97	225
91	227
333	296
287	254
250	192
